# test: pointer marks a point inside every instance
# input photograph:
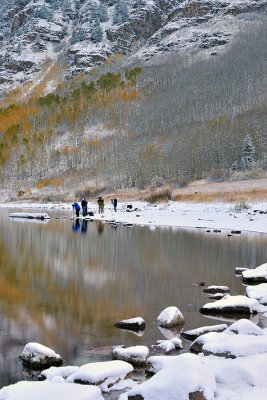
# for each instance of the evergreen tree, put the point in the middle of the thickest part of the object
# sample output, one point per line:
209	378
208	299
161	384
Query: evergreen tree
248	154
97	33
121	13
139	3
44	13
102	13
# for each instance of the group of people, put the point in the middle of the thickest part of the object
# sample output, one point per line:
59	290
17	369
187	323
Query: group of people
84	204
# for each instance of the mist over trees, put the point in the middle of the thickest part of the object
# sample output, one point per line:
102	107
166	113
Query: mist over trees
177	120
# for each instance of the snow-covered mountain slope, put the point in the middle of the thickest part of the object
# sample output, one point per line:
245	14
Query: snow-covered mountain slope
80	34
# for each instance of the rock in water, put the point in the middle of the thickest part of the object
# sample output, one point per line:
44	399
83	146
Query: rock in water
171	317
37	356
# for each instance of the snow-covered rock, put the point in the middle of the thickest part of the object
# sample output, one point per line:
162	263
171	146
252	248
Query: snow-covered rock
187	377
135	355
103	374
258	292
216	289
54	372
137	324
195	333
168	345
49	390
29	215
232	305
35	355
242	338
170	317
256	275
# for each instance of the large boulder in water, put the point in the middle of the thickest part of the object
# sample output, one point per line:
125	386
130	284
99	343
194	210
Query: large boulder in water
38	356
170	318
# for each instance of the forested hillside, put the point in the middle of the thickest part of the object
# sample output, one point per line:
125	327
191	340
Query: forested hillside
130	121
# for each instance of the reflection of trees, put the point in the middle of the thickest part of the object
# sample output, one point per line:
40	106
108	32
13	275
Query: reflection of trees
52	281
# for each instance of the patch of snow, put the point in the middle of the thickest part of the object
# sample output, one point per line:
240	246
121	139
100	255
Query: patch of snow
170	316
49	390
258	292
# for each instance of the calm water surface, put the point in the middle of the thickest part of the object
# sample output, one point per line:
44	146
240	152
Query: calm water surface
64	284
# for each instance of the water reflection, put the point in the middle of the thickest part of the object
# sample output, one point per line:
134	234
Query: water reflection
66	293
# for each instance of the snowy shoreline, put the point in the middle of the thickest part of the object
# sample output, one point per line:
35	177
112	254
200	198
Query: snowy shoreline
225	216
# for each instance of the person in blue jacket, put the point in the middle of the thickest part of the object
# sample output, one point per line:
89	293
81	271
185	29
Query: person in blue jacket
77	208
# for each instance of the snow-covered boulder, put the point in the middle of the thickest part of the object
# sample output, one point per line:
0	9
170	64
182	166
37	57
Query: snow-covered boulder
171	317
185	378
258	292
216	289
55	372
168	345
49	390
195	333
244	327
157	363
37	356
256	275
232	346
137	324
232	305
135	355
198	343
29	215
241	327
103	374
242	338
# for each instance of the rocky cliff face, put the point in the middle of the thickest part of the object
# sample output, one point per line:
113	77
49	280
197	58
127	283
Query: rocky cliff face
83	33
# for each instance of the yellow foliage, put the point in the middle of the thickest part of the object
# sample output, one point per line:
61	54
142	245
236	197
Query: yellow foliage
56	182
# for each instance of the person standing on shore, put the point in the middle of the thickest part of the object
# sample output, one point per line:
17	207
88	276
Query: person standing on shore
101	204
84	204
115	203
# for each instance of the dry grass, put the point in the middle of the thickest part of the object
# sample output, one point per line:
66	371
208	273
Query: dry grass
231	197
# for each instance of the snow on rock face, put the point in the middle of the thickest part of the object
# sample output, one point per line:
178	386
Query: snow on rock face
103	374
232	305
135	355
170	317
36	355
186	377
49	390
258	292
257	275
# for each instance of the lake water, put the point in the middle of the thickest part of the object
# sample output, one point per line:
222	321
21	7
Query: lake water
64	285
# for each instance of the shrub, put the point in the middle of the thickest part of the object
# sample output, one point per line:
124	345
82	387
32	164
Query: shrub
241	206
159	196
89	192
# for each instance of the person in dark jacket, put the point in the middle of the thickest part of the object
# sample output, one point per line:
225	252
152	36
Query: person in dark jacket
101	204
84	206
115	203
77	208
